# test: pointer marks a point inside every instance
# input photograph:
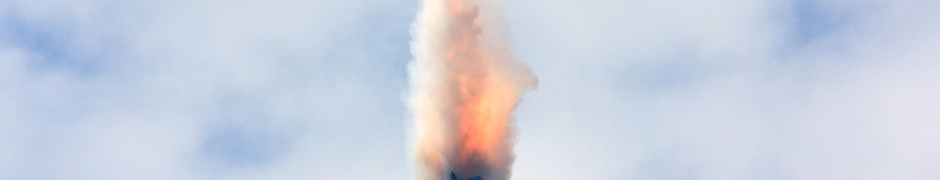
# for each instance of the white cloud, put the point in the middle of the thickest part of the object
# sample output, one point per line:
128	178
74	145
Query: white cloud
717	90
203	89
628	89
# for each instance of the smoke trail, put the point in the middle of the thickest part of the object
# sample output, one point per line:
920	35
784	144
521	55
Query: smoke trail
464	88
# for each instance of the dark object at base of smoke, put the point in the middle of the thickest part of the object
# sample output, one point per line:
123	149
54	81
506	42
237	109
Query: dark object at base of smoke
454	177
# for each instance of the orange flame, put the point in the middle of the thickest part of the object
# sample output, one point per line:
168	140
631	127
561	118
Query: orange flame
464	111
483	107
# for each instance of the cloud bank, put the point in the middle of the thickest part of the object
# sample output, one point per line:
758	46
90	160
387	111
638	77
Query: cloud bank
202	89
718	89
728	89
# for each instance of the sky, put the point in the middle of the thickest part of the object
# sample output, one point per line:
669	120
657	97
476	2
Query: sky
628	89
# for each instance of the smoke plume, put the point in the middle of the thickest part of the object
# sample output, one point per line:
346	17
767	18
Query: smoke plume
464	88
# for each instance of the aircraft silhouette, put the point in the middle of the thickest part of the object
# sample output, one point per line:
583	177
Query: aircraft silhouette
454	177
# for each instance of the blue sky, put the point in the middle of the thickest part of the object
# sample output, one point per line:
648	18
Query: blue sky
717	89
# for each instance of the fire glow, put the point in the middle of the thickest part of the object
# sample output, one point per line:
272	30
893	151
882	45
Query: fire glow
464	88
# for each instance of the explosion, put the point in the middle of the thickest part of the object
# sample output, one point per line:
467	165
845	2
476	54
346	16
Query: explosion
465	86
